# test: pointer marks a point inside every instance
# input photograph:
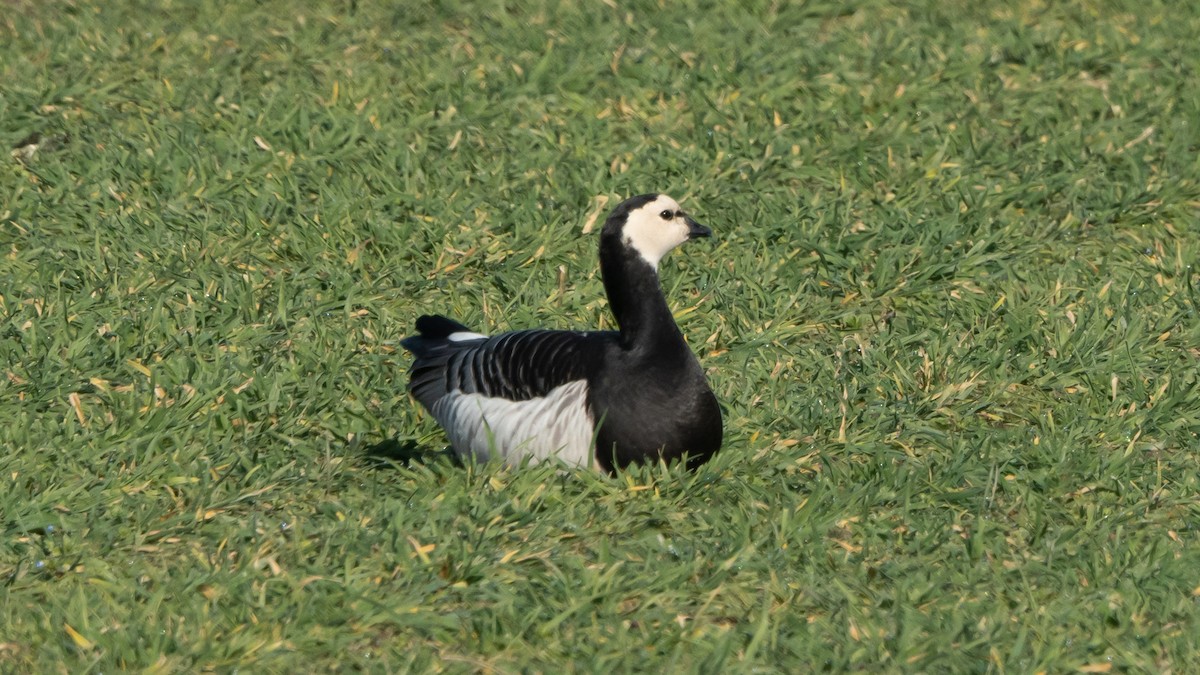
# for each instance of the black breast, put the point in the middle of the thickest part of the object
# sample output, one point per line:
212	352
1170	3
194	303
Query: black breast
654	406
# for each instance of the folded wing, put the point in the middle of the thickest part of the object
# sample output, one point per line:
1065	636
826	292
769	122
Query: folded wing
519	394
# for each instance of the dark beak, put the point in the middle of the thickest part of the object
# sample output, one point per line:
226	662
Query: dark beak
695	229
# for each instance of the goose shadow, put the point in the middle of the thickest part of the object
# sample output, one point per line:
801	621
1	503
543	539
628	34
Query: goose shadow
392	452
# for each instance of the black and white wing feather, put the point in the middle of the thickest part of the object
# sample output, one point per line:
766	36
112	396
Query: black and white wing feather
516	366
519	394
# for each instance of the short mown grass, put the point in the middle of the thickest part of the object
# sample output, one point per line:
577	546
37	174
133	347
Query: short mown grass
950	312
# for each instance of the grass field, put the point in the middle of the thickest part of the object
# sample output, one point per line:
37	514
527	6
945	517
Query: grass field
950	313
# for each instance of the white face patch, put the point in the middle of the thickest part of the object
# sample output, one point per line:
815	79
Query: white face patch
650	234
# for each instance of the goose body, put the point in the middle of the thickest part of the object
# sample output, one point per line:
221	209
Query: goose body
604	399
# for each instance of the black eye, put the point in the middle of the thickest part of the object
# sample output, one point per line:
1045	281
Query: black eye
667	215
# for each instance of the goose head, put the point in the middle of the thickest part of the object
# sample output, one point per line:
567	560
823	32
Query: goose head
650	225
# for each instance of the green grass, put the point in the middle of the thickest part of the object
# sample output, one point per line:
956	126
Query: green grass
950	312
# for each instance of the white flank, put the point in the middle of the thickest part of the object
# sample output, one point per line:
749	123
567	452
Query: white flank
652	236
464	336
555	425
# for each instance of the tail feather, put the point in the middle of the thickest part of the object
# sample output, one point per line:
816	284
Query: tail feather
434	347
433	332
434	326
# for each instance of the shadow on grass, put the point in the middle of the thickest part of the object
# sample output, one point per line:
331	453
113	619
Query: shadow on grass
393	452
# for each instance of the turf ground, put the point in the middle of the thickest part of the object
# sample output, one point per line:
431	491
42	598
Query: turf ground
950	313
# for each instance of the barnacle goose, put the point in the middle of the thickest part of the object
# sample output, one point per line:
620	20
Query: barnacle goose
604	399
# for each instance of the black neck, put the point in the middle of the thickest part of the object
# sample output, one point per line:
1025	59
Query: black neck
636	298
